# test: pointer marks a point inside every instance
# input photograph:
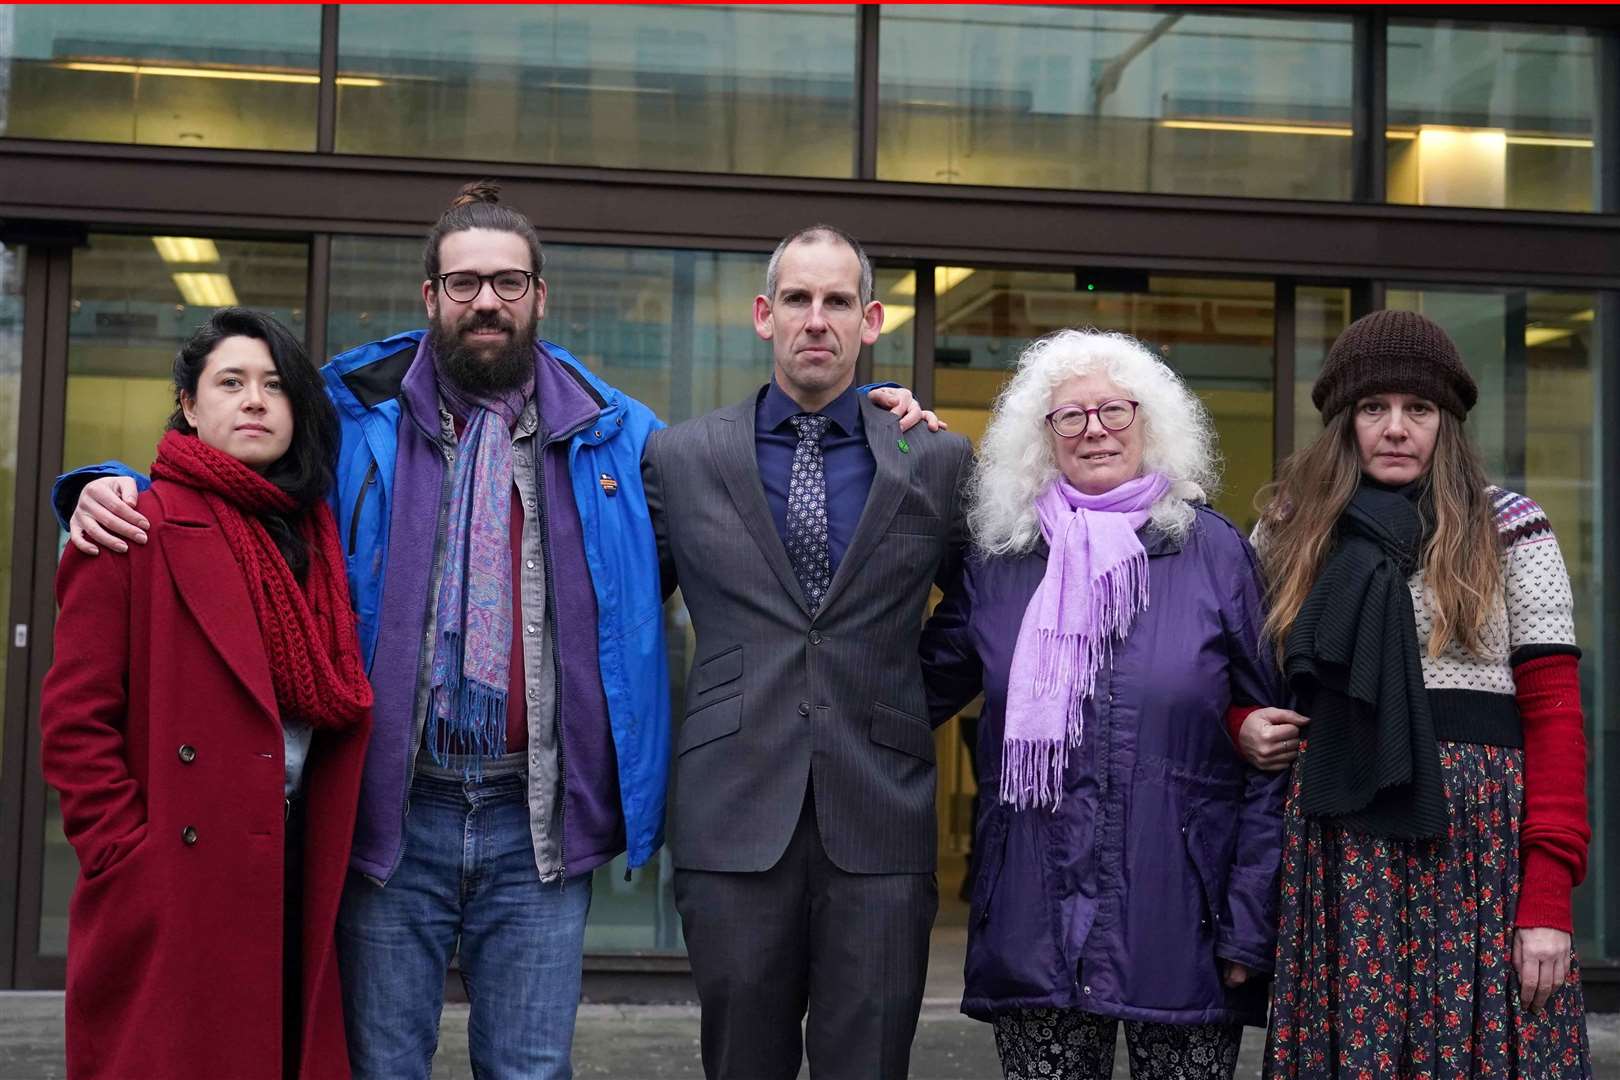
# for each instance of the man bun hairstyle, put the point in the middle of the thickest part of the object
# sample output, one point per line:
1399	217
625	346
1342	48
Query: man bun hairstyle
478	206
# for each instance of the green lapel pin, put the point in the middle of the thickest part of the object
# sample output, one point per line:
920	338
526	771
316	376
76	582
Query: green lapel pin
905	447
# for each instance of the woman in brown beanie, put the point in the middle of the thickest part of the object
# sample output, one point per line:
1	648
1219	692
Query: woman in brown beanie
1436	819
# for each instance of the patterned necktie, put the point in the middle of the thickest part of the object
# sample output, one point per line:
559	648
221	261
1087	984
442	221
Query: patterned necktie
807	511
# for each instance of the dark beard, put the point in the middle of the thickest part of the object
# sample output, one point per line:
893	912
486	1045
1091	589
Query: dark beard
480	375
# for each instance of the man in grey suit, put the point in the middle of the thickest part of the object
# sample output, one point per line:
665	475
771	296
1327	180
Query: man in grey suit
805	531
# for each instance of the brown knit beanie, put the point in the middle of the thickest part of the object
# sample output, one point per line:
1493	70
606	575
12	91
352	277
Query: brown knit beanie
1394	352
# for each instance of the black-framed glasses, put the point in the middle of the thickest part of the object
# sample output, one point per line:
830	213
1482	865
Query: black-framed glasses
1071	420
464	285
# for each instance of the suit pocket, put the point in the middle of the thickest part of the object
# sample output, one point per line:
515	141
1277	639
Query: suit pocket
710	723
718	670
903	732
915	524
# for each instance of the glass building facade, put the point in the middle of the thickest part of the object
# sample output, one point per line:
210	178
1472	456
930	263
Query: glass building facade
1232	187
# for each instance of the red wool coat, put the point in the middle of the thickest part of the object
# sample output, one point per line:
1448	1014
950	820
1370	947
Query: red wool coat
159	727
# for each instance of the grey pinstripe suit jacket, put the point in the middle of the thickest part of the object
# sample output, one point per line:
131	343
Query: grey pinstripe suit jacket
776	697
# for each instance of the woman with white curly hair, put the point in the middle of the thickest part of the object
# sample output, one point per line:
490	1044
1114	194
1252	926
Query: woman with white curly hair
1126	854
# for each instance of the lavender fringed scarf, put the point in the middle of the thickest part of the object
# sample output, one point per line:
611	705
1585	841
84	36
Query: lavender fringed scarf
473	635
1096	581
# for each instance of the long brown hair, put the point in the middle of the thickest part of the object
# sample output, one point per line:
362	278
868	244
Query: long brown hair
1461	562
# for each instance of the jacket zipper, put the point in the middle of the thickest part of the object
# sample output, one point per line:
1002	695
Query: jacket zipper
359	504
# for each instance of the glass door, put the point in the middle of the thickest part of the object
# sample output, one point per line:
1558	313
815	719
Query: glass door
117	308
13	326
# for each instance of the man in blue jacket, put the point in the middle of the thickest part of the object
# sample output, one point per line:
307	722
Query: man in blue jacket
505	577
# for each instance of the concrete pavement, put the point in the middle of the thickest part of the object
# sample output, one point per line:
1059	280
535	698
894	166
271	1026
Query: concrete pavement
653	1042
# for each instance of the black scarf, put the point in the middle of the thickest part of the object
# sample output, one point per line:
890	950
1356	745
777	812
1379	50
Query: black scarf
1352	657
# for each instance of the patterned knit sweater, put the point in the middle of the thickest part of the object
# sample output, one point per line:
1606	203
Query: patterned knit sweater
1536	616
1526	674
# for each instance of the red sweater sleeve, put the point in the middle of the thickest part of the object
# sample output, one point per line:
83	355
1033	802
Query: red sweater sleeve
1555	831
1235	715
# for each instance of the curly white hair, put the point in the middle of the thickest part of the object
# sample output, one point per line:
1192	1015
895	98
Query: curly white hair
1015	461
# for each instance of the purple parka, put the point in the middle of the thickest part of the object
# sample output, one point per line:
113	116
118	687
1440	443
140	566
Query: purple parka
1160	862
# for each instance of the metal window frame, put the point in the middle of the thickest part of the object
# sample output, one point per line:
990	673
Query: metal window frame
40	430
14	719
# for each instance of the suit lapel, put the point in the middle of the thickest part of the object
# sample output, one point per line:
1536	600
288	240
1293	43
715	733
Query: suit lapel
205	572
731	441
890	481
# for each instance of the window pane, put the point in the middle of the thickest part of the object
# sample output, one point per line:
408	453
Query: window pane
722	87
216	75
1217	333
673	329
1534	356
1116	99
135	299
1321	312
12	267
895	351
1491	116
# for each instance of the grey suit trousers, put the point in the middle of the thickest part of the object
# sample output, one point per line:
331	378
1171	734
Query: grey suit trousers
764	945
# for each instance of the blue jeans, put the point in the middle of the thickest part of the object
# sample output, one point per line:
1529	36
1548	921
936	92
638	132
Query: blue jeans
467	882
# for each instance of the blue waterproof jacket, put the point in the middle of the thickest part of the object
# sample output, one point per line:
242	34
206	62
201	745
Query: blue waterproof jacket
619	550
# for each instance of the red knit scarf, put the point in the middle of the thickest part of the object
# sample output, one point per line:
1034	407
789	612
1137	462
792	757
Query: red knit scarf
308	633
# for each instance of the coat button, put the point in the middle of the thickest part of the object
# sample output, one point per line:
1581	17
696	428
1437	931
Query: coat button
815	637
804	708
188	753
188	836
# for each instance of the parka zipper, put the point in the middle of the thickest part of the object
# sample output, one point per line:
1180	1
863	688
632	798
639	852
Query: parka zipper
359	504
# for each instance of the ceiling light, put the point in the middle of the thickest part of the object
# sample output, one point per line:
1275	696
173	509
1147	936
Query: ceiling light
896	315
1251	128
947	278
186	249
1545	335
1257	129
236	74
206	290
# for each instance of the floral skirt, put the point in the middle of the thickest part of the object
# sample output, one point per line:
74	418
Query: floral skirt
1395	958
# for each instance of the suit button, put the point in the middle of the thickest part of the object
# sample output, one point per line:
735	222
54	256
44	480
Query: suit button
188	836
815	637
804	708
188	753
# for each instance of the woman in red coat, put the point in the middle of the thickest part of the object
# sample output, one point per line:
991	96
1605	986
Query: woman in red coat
205	723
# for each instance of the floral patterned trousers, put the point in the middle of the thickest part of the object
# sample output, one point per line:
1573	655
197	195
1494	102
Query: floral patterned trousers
1071	1044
